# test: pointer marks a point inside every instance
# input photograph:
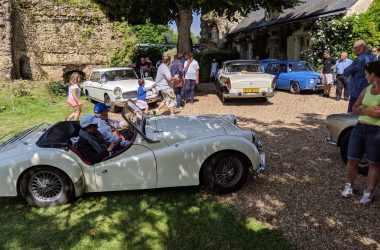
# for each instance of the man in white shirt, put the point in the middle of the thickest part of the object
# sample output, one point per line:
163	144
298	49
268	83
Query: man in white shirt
163	81
191	69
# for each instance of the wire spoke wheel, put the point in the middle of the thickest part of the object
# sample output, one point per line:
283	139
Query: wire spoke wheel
229	171
46	186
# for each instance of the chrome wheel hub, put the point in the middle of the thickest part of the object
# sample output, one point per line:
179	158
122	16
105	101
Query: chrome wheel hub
46	186
228	172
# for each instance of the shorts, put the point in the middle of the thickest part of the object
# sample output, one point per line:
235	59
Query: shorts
72	102
169	97
365	139
142	104
328	79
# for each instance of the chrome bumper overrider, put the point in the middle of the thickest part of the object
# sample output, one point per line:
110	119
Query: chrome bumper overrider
262	166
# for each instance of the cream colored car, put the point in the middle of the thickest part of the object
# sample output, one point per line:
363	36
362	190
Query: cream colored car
43	165
244	79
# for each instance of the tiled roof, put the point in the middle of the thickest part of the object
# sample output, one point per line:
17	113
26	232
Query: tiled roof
305	10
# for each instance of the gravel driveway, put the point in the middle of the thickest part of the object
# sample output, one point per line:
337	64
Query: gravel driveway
300	193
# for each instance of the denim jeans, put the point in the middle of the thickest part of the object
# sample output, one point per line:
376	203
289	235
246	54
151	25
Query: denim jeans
189	90
178	95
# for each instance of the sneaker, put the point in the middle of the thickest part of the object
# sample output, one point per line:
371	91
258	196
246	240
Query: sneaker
347	191
366	198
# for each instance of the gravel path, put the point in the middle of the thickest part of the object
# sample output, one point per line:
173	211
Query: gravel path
300	194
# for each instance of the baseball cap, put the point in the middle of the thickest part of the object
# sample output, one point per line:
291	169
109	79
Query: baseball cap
214	60
88	120
100	108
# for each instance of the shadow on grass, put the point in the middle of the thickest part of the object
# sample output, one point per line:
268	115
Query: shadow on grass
159	219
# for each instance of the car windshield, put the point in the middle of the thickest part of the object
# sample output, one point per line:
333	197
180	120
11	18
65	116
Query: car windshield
134	116
118	75
243	68
300	66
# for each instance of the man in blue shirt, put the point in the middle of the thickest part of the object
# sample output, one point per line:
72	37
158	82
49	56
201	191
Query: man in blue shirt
355	72
340	79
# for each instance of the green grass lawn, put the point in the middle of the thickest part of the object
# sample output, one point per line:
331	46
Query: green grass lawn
182	218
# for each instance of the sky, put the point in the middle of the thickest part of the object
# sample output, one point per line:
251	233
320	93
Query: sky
195	26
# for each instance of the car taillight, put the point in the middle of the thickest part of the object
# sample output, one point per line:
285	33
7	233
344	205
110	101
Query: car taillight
228	83
273	83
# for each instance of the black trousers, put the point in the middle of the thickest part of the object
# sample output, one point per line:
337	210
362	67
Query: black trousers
341	86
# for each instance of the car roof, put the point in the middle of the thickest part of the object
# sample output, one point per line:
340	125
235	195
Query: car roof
287	61
241	61
111	69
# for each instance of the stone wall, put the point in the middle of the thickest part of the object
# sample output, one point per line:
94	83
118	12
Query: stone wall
5	39
50	40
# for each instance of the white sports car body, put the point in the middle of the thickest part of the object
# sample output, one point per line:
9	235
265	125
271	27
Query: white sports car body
43	165
244	79
113	86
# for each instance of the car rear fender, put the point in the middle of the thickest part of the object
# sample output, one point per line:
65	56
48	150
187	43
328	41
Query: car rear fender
341	134
12	170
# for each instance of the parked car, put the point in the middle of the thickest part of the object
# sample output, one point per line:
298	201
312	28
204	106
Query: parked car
294	76
264	62
43	165
340	127
113	86
244	79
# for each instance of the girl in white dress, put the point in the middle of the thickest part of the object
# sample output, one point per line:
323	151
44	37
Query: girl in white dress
73	97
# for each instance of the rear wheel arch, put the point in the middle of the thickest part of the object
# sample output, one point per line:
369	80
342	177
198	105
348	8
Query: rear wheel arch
342	134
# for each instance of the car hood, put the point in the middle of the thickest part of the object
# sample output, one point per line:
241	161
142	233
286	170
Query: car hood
178	128
304	74
129	85
20	145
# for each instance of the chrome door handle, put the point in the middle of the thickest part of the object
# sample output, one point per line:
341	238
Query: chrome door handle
103	171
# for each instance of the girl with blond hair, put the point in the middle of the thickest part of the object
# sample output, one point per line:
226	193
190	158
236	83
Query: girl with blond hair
73	97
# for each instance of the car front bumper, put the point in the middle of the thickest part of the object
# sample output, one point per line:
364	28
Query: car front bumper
121	102
248	95
262	165
314	88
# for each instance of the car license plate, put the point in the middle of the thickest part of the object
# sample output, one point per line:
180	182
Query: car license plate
255	90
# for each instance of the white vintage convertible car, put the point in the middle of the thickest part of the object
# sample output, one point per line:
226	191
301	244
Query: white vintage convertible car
43	165
244	79
113	86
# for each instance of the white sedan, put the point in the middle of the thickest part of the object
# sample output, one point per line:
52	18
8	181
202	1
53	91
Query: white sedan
43	165
244	79
113	86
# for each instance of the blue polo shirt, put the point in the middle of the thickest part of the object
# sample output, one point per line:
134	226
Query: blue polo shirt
340	66
356	74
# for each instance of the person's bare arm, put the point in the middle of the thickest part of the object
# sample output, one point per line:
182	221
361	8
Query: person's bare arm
358	106
197	77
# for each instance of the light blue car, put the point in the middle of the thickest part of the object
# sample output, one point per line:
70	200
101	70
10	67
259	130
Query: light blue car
294	76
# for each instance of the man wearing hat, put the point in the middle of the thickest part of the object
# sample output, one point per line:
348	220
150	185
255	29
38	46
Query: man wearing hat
214	70
91	143
110	128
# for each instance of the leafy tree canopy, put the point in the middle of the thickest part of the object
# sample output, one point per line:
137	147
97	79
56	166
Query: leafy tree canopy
154	33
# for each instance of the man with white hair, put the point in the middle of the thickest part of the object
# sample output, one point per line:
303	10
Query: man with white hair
356	73
340	79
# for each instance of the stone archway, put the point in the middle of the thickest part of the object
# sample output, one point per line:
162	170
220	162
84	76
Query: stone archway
69	70
24	69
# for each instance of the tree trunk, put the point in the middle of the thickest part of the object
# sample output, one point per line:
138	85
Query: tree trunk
183	22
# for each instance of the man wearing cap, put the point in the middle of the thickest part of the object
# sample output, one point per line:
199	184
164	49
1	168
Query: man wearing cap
110	128
91	143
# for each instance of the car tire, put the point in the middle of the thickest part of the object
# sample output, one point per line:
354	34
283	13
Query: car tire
363	165
295	88
224	172
88	97
45	186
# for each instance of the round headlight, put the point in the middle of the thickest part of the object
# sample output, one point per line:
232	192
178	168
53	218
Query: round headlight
117	92
311	80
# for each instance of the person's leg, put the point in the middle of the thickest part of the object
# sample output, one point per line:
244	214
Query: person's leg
330	82
177	92
352	170
186	90
77	112
192	91
339	87
324	79
373	176
345	87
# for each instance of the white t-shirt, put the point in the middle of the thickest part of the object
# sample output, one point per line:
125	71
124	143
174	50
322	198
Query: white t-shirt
162	72
191	72
73	88
214	67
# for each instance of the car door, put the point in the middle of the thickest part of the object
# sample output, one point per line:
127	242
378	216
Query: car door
94	84
282	76
133	169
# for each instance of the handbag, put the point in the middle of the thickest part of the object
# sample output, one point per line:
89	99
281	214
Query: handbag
178	83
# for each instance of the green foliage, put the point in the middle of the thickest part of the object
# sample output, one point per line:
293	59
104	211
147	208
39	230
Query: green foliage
195	38
154	33
87	33
21	89
338	33
57	88
123	55
204	59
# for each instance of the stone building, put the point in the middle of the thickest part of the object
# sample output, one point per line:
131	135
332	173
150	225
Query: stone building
43	40
275	35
